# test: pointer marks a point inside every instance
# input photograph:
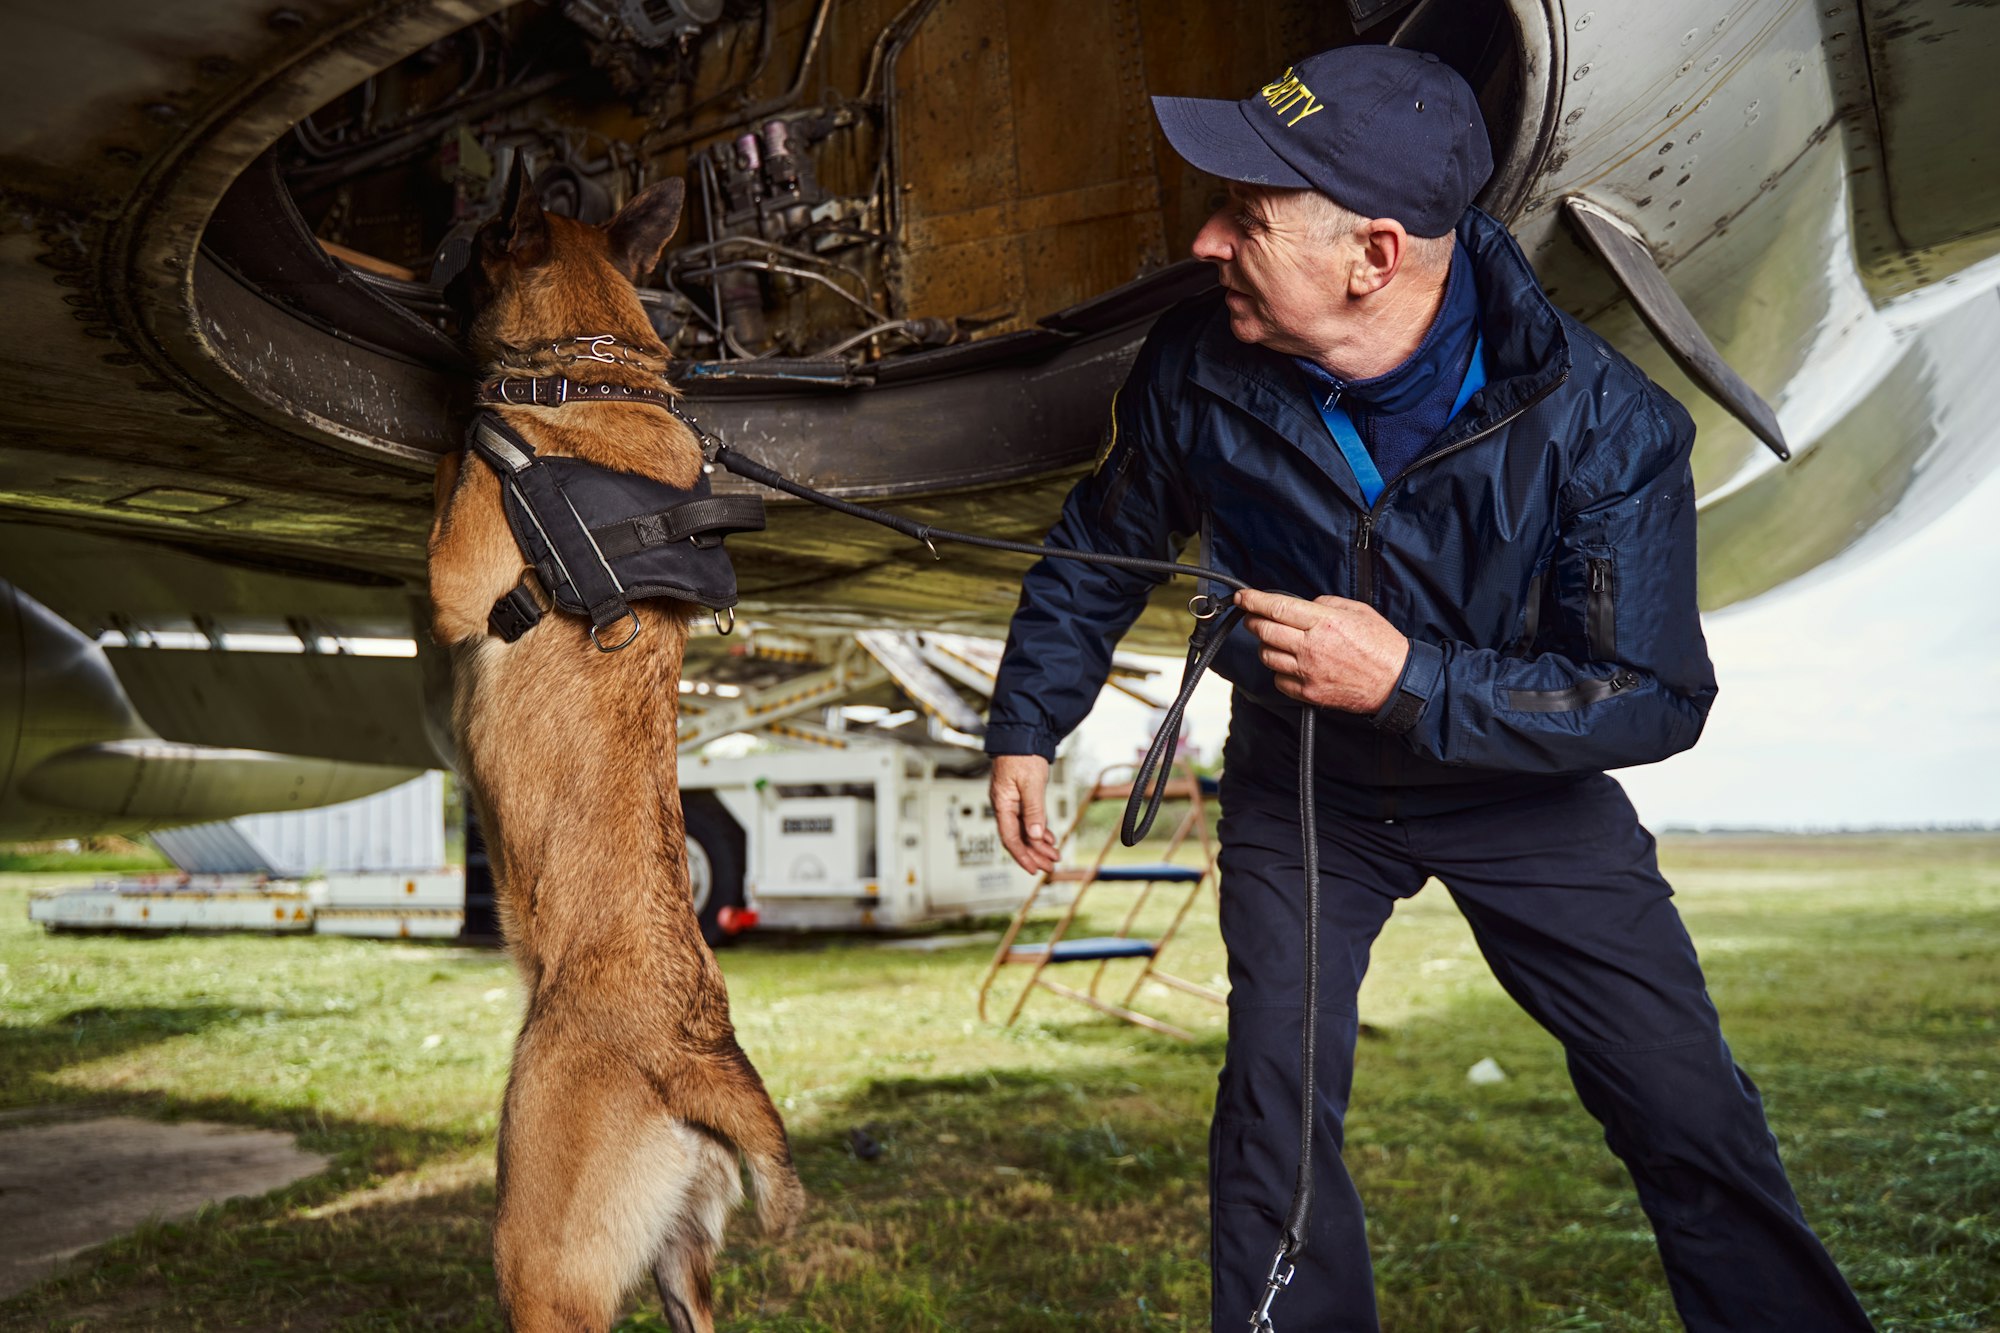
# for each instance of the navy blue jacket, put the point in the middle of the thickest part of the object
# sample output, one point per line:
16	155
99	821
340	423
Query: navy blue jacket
1540	554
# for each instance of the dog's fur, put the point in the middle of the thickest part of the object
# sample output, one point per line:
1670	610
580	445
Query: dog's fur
630	1100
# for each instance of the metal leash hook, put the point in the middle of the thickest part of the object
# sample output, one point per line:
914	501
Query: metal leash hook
1260	1320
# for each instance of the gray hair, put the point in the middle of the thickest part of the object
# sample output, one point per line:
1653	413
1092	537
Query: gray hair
1331	220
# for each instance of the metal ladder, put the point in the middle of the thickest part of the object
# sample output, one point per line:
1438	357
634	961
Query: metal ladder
1183	786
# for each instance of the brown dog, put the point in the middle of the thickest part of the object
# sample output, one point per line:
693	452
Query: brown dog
629	1101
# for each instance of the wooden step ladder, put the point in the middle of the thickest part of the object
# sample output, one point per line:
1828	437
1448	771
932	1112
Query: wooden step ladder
1183	786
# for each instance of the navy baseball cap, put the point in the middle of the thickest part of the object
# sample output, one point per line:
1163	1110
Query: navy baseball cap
1386	132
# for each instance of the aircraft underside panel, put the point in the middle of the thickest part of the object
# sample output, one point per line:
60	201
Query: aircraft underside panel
228	363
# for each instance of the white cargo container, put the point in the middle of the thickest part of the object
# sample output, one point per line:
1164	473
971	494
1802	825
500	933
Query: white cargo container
392	832
370	867
870	836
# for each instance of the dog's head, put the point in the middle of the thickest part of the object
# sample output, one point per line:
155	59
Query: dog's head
536	277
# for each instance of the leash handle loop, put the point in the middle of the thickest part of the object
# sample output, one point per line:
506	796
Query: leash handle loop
1149	784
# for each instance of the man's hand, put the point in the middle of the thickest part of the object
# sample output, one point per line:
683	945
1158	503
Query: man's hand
1329	652
1019	780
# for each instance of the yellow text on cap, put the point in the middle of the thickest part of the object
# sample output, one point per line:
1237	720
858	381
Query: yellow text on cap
1288	92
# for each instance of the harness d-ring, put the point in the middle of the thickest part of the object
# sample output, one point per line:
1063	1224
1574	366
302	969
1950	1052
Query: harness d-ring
1204	607
720	626
603	647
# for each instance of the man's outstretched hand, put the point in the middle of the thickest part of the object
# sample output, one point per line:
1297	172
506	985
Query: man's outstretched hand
1329	652
1020	782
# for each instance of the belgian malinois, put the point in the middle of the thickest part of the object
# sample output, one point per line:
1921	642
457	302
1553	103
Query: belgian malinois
630	1103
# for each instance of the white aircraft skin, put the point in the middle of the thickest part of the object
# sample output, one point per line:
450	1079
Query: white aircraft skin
1809	177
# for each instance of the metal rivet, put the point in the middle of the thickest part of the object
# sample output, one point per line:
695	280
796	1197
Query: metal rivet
1581	70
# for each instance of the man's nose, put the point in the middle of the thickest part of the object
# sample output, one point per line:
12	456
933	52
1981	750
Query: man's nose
1214	242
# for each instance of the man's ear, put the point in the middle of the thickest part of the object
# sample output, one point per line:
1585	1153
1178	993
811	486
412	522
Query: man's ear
640	232
1383	250
524	228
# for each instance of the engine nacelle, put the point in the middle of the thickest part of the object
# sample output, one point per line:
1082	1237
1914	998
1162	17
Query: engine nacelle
77	760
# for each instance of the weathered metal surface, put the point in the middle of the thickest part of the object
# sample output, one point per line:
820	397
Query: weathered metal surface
1937	103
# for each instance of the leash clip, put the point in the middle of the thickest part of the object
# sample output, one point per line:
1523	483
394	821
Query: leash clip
1280	1278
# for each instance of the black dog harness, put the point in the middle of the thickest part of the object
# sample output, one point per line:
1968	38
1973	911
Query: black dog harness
600	539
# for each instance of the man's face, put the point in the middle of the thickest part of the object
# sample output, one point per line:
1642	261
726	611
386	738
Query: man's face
1285	283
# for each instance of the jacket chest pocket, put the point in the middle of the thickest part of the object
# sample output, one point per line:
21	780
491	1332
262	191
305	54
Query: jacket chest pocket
1531	614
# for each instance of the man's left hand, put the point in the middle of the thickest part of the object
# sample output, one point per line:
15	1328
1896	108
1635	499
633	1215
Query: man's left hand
1330	652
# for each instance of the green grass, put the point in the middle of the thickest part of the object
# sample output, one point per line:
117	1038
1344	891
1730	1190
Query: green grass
1051	1175
109	856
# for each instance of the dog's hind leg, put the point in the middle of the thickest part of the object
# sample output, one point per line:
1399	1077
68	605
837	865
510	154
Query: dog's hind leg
593	1172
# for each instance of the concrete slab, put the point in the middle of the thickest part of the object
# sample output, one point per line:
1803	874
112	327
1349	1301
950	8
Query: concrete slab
74	1183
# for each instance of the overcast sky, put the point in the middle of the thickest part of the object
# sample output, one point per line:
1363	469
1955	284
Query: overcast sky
1867	693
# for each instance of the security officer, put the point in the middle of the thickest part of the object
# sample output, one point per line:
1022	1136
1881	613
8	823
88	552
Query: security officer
1490	519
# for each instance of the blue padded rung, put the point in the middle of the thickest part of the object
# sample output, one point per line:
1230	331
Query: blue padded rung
1161	872
1088	950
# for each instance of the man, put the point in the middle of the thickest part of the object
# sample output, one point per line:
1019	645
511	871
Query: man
1493	517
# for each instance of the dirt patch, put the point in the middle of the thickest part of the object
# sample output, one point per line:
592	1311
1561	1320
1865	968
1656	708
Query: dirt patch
71	1184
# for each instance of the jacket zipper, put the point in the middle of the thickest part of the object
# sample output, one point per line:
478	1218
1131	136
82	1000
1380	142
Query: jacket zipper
1364	558
1364	537
1600	618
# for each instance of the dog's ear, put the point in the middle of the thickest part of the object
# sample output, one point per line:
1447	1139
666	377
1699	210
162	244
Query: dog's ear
523	229
640	232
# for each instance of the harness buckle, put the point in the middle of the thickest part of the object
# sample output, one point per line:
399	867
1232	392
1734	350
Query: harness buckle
515	614
603	647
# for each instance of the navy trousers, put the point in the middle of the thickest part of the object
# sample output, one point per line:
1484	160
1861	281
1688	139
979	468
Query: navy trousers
1565	898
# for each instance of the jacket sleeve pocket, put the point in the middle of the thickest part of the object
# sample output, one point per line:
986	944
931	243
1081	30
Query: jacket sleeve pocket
1631	683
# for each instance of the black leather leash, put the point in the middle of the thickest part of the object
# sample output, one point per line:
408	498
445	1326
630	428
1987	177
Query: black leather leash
1149	785
1215	619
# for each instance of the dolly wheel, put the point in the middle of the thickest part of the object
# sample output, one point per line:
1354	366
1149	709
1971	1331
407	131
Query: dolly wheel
715	868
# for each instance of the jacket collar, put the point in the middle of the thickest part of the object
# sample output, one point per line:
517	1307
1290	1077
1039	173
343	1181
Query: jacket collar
1527	351
1441	354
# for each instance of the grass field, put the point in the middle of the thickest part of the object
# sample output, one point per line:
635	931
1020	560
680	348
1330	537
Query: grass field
1051	1176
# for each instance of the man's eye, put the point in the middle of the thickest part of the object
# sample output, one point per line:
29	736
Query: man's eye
1248	223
